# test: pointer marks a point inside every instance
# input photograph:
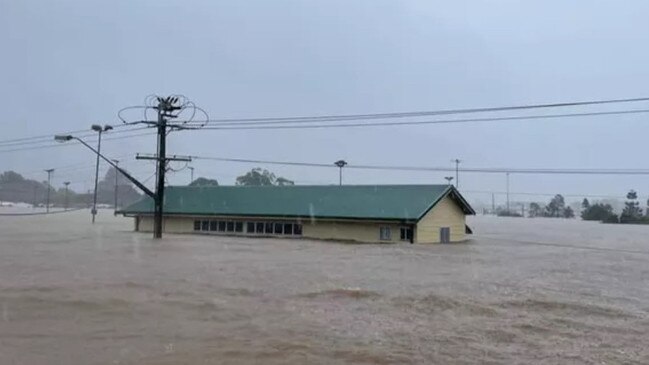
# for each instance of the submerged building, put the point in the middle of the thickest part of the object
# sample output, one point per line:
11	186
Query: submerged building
361	213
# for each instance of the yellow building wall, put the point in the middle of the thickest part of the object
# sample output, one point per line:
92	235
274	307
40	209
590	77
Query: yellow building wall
170	224
445	214
358	231
350	231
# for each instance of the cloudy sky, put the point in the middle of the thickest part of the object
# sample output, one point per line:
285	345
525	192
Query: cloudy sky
68	64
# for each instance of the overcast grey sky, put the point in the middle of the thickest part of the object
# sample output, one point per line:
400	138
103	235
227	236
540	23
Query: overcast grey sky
68	64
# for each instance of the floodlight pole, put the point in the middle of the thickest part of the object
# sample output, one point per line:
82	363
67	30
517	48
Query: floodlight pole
340	164
65	205
99	129
47	200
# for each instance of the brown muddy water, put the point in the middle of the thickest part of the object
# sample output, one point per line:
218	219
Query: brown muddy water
522	291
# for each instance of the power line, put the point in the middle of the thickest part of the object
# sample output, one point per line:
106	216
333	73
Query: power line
65	144
436	169
49	136
85	135
340	117
424	122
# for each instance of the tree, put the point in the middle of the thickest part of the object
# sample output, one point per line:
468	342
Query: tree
202	181
262	177
585	204
632	212
599	212
535	210
126	193
568	213
556	206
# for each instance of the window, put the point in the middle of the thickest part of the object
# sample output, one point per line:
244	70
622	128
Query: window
221	226
288	228
278	228
230	226
260	227
197	225
406	234
269	228
205	225
213	226
250	227
385	234
238	226
297	229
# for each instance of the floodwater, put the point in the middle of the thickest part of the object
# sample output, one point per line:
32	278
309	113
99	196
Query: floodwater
522	291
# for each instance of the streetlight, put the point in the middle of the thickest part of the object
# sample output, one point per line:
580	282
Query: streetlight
116	176
192	173
47	201
65	205
66	138
449	179
457	172
340	164
99	129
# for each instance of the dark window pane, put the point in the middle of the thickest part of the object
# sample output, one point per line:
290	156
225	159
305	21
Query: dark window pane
269	228
230	227
409	234
403	234
278	228
212	226
250	227
205	225
288	228
221	226
197	225
297	229
260	228
238	226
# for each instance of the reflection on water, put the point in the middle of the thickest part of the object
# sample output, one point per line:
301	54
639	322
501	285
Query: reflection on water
72	293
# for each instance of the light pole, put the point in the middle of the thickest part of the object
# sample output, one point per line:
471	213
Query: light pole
508	192
47	201
340	164
457	172
99	129
191	169
449	179
116	176
65	204
66	138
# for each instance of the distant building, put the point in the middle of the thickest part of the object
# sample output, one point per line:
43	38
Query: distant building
362	213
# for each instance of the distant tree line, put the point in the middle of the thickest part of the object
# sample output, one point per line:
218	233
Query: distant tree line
556	208
631	214
17	189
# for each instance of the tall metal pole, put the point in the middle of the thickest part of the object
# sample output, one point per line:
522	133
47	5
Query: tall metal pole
116	176
47	201
508	192
191	169
340	164
65	204
162	162
457	172
94	196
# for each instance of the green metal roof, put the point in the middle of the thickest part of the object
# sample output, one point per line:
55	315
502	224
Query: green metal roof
384	202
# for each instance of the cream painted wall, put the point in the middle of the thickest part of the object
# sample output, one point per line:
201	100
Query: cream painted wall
445	214
359	231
